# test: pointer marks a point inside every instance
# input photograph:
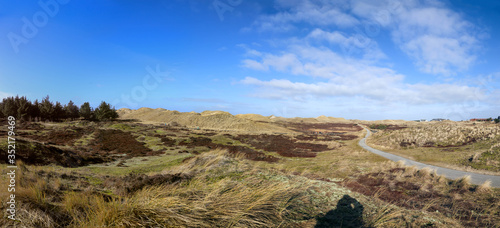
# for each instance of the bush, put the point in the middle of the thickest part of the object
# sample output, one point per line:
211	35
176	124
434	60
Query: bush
379	126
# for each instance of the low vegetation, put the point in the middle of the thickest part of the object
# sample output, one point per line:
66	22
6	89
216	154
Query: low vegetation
438	135
488	160
453	144
214	189
408	187
131	174
378	126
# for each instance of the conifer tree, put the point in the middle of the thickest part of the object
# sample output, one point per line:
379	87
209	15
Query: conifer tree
59	112
35	110
71	110
9	107
23	108
105	112
86	111
46	109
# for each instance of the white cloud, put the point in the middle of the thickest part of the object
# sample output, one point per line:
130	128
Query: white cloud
345	78
350	45
439	40
438	48
439	55
313	12
254	65
442	93
249	51
321	62
332	37
381	92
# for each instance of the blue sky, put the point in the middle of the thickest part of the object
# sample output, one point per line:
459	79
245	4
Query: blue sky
358	59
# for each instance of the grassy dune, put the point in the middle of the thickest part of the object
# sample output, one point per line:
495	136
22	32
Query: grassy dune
205	178
215	189
465	146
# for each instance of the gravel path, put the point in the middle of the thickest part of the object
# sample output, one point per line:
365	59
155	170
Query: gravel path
476	178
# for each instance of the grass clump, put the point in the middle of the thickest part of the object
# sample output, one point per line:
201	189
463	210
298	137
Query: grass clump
85	140
122	126
437	134
150	164
459	200
487	160
378	126
447	144
220	189
194	202
151	142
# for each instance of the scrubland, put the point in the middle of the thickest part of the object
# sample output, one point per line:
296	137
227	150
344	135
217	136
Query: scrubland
131	174
459	145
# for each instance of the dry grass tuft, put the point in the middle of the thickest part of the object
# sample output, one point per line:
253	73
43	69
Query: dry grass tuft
459	200
437	134
426	172
485	187
463	182
386	216
225	192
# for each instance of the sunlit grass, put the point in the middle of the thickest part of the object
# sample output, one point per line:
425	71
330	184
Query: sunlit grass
150	164
444	144
226	190
336	163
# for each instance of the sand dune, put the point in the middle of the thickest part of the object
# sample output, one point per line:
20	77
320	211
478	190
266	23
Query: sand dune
217	120
220	120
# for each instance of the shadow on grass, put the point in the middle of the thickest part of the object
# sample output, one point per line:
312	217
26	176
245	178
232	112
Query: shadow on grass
349	213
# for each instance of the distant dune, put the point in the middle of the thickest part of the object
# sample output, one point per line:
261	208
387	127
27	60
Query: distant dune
217	120
220	120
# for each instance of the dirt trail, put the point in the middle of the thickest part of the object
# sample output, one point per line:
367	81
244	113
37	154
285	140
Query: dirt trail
476	178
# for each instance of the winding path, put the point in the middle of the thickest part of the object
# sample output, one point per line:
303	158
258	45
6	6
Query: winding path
476	178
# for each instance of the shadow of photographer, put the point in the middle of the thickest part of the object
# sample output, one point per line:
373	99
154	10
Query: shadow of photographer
349	213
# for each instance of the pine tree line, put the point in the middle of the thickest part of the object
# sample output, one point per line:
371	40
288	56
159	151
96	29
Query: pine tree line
46	110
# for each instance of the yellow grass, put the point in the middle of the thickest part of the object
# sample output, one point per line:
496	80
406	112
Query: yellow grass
456	145
440	133
206	120
485	187
223	190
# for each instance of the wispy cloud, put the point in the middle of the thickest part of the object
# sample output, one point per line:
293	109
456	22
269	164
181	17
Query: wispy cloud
343	77
316	13
350	45
437	39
